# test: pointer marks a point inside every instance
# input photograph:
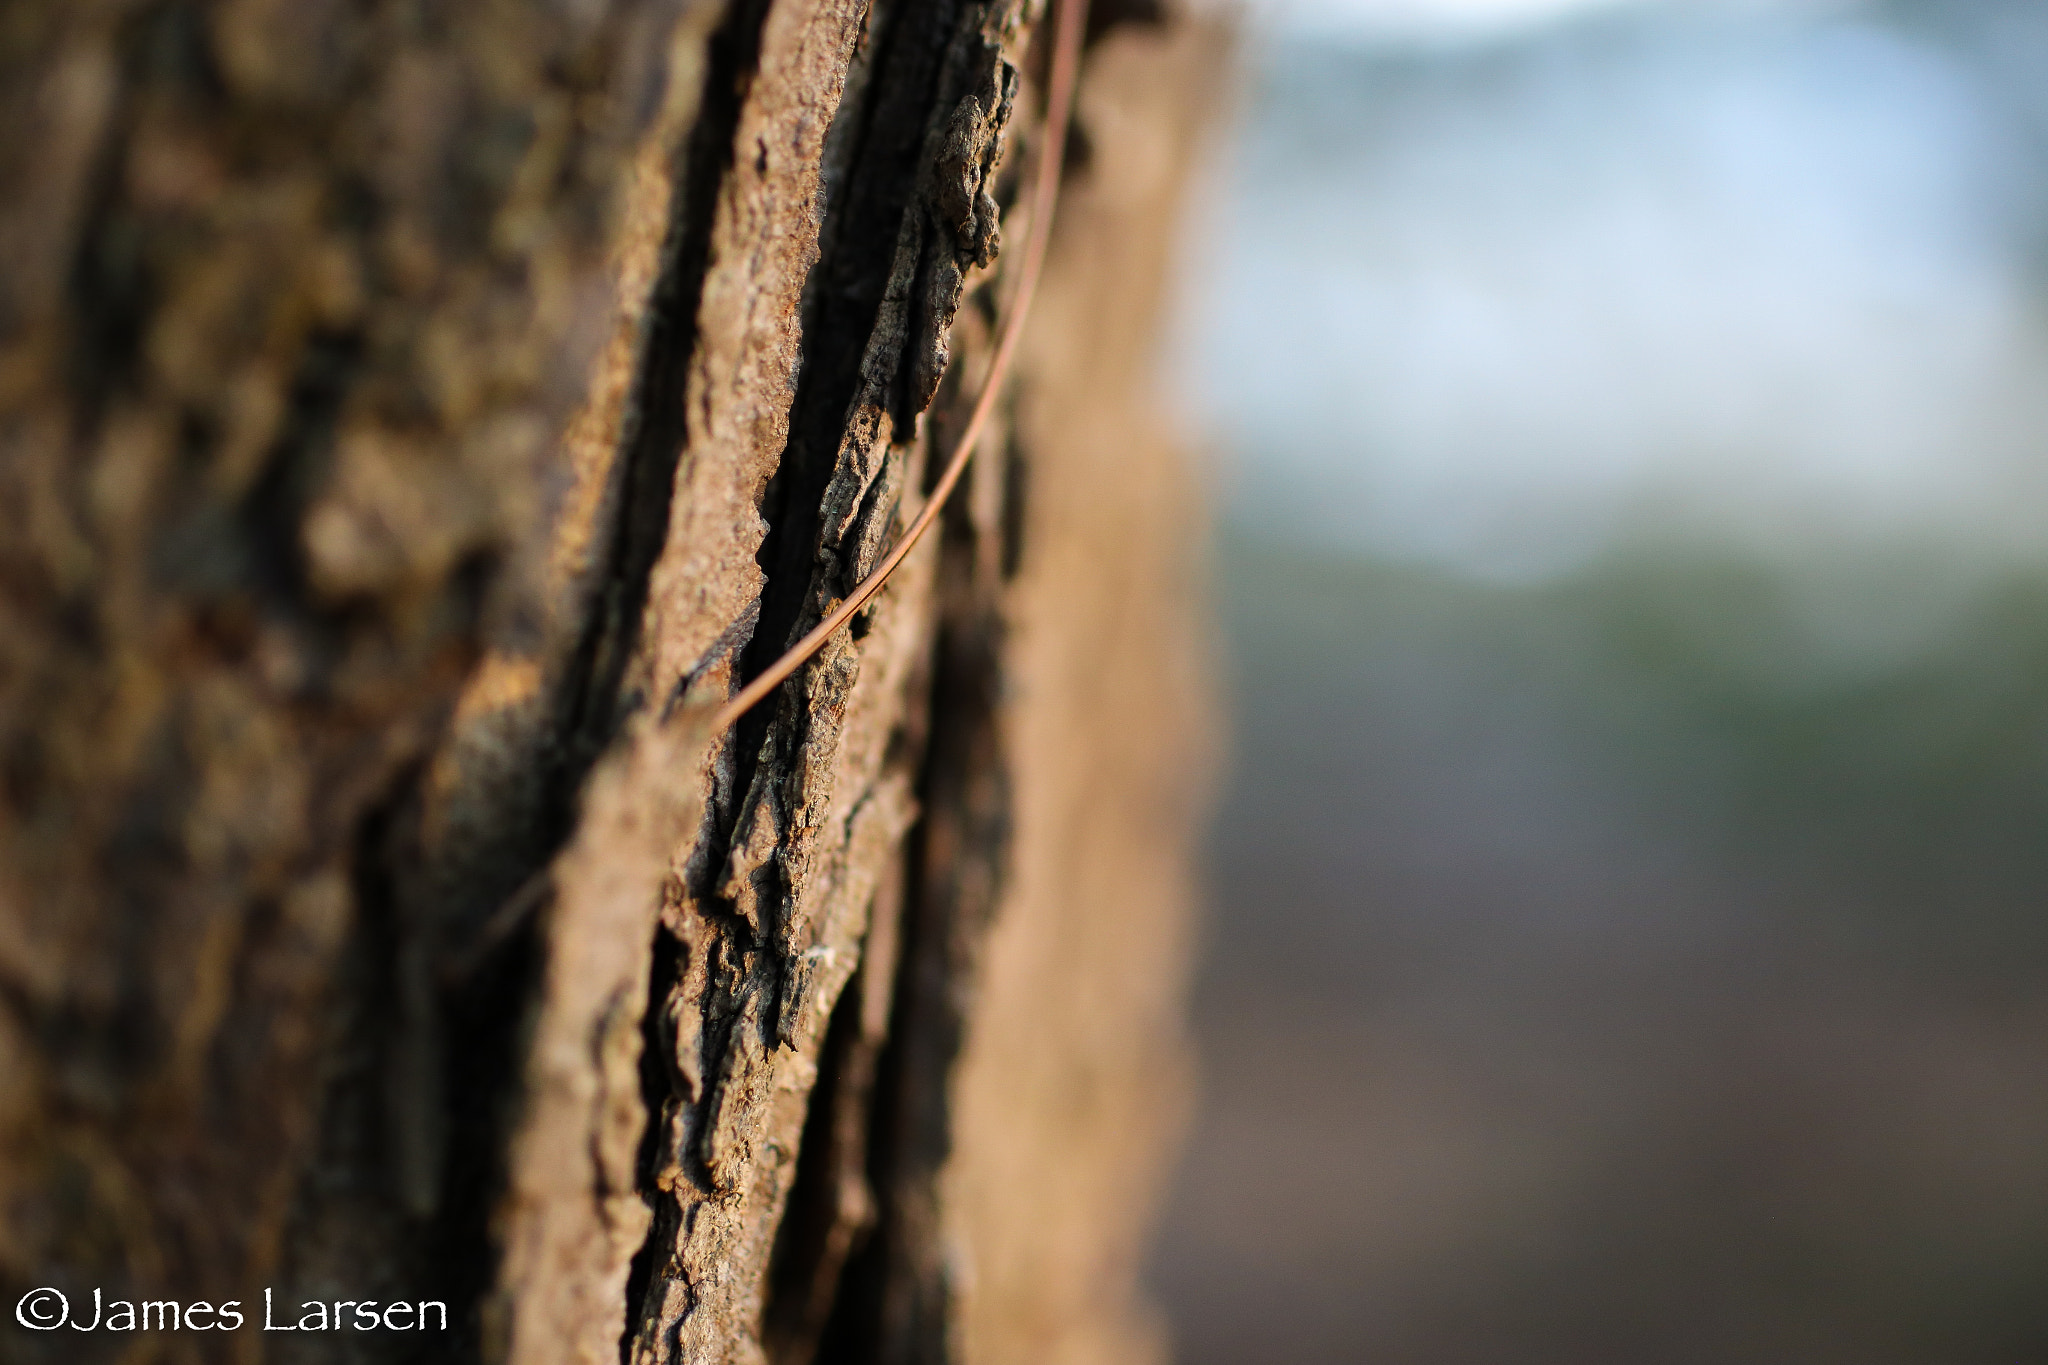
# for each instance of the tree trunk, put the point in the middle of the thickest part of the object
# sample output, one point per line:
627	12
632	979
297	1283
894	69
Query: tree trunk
414	420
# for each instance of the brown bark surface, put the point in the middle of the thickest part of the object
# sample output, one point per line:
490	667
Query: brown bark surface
413	421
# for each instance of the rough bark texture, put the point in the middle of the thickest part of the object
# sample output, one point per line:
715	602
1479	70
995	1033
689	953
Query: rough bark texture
413	421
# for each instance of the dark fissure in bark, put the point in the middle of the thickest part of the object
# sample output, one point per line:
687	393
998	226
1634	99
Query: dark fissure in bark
348	1196
817	1229
111	295
864	213
892	1301
659	1080
415	935
661	432
843	1286
593	703
874	156
659	428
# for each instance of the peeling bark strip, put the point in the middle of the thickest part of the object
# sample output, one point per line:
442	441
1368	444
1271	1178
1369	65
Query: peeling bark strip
414	424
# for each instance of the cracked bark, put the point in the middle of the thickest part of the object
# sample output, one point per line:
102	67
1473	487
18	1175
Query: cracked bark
412	423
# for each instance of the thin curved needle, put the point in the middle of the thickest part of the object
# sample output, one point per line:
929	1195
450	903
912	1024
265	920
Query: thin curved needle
1066	60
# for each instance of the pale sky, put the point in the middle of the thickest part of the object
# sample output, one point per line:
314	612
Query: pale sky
1418	18
1759	273
1451	20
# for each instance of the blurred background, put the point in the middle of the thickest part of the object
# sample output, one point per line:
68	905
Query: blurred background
1627	936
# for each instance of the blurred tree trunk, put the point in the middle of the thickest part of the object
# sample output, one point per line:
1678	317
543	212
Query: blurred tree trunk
413	420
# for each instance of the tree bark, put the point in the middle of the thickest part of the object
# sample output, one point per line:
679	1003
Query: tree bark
414	421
